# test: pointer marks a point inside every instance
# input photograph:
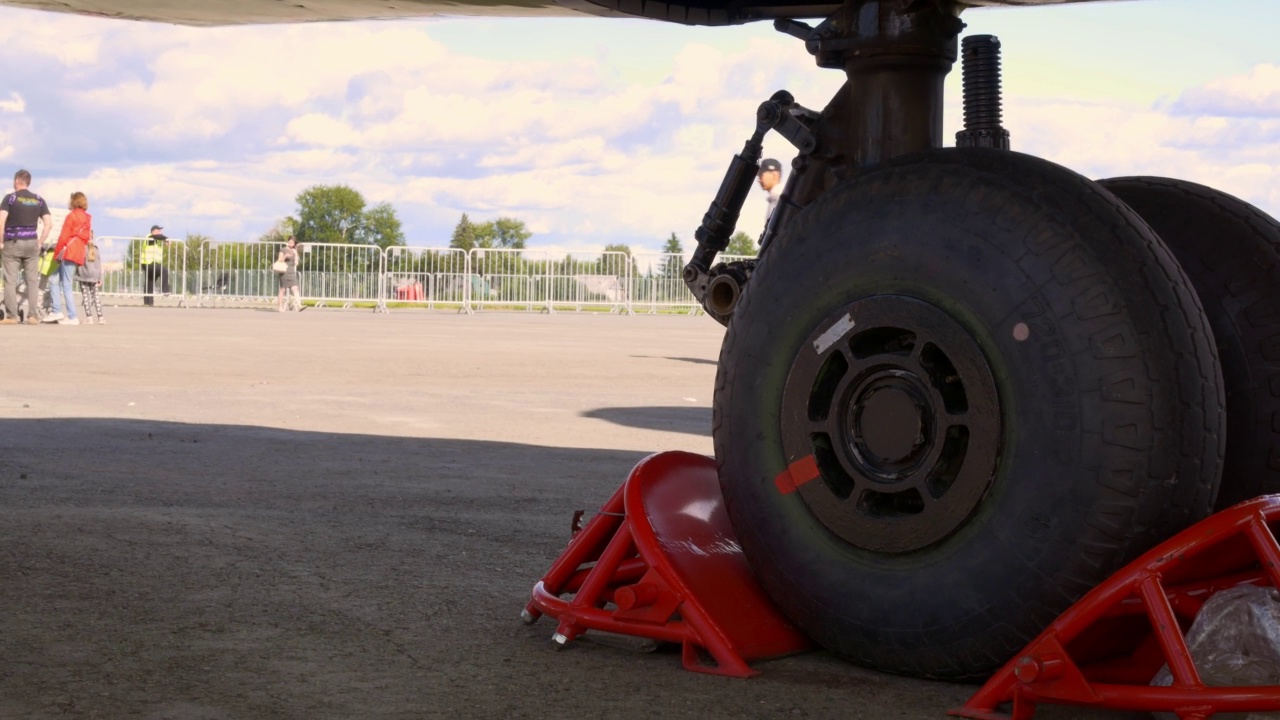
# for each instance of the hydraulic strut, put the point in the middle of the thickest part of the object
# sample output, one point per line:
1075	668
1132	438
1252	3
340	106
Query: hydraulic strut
718	288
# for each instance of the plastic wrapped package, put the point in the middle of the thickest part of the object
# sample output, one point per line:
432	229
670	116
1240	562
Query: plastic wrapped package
1235	641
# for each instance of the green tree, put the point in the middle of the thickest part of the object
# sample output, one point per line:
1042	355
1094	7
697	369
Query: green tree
741	244
673	266
193	248
330	214
382	227
281	231
509	233
503	233
609	266
336	214
464	234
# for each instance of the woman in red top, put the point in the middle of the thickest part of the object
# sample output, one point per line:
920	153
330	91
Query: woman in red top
77	229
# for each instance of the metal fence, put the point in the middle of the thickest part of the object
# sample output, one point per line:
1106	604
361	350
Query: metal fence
348	275
508	278
235	273
213	274
583	281
427	277
659	284
134	277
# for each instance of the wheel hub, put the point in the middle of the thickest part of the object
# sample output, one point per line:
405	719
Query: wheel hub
889	425
900	413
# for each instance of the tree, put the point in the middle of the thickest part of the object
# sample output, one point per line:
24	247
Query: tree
504	232
607	266
673	266
741	244
382	227
281	231
509	233
337	214
193	248
330	214
464	234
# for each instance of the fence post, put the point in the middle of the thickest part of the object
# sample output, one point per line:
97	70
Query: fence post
382	282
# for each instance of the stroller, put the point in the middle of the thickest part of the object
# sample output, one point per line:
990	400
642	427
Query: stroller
47	266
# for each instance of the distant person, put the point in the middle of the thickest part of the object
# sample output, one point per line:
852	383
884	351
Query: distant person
73	241
152	262
27	221
289	278
90	277
770	180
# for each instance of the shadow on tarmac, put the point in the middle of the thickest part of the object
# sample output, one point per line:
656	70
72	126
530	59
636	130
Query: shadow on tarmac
696	361
160	569
691	420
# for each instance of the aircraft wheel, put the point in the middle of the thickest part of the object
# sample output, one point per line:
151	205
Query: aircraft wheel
959	391
1231	251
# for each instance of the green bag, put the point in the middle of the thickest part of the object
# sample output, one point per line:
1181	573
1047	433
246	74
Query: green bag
47	263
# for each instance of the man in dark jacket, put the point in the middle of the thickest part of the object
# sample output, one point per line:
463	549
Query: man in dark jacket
26	221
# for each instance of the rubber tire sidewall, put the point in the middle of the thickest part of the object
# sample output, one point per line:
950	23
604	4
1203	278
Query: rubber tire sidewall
1231	252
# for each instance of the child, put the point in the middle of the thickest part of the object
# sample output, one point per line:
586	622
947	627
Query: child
90	276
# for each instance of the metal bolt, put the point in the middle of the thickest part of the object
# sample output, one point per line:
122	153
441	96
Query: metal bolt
982	102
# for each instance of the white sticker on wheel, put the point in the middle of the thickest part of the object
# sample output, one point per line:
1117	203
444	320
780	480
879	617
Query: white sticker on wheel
833	334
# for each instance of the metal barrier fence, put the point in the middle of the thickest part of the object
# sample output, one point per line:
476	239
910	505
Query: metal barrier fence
234	273
660	284
135	276
427	277
509	278
212	273
590	281
346	274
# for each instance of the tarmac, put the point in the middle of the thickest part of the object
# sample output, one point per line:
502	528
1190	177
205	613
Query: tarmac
223	514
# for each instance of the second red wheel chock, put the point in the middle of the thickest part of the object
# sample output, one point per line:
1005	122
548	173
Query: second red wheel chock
1106	649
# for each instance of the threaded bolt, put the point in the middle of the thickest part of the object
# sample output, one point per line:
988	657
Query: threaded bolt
982	102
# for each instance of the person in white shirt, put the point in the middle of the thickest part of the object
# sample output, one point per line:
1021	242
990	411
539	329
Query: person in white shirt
770	180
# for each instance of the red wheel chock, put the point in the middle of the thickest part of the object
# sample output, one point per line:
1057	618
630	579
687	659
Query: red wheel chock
1105	650
661	561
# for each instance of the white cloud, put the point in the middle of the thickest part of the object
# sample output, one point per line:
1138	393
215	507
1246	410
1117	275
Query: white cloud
217	130
1255	94
15	104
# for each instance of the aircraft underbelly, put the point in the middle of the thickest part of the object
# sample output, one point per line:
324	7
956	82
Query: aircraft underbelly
238	12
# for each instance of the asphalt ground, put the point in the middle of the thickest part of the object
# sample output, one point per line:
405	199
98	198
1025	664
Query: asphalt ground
217	514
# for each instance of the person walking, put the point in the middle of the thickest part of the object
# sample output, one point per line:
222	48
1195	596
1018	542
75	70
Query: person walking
289	278
27	221
770	180
152	262
77	231
90	277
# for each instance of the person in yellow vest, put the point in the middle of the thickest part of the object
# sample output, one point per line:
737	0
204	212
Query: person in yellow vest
152	262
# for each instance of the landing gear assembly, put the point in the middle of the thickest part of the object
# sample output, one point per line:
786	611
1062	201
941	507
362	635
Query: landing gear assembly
961	386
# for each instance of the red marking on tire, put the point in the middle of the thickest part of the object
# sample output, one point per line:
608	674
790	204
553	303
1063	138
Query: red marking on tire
797	473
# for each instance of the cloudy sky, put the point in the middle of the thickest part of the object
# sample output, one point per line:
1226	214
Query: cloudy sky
592	131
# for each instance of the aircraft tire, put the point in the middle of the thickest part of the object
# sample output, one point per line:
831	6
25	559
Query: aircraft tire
961	390
1231	251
